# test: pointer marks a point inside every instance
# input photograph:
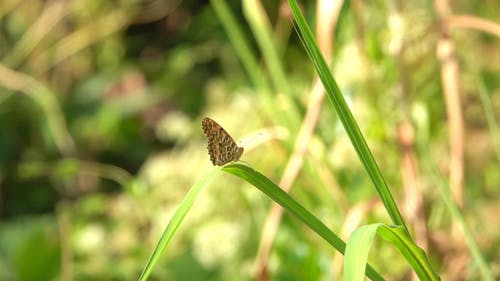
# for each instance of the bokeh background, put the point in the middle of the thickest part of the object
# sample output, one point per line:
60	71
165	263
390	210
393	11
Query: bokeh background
100	137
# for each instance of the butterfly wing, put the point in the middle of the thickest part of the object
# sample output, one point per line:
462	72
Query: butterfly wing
211	132
221	146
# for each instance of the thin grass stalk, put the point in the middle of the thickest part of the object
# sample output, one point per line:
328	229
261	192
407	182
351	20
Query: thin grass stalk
337	100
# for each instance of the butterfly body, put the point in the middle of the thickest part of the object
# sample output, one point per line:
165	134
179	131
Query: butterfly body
221	146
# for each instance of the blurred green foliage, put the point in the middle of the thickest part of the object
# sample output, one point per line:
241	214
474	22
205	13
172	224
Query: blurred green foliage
100	105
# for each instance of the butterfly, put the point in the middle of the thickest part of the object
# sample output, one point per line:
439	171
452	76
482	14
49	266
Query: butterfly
221	146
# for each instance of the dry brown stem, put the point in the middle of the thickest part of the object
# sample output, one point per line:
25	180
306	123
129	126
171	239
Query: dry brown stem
327	19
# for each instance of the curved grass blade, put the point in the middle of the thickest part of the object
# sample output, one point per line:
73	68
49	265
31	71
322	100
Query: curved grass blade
291	205
337	100
176	220
359	245
356	252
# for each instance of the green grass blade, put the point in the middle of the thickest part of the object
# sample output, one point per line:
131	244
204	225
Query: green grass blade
241	45
291	205
415	256
356	252
260	26
489	113
259	23
337	100
360	242
444	190
176	220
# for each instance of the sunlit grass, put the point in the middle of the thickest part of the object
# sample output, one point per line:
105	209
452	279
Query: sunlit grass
93	162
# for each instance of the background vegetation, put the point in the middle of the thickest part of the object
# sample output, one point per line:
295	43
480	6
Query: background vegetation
100	138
